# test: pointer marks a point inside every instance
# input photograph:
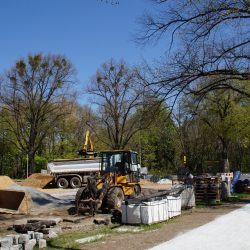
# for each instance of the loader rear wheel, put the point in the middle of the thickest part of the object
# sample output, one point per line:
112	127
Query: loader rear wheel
75	182
115	198
62	183
137	190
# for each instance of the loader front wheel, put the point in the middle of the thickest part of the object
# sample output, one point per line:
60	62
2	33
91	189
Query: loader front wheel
115	198
62	183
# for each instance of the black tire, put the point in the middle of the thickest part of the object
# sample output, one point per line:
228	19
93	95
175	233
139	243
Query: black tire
137	190
75	182
79	194
115	198
62	183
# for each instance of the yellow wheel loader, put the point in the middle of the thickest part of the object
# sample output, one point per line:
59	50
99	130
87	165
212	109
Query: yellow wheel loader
119	179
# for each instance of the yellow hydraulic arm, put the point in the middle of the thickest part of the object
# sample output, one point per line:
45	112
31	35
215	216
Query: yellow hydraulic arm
88	147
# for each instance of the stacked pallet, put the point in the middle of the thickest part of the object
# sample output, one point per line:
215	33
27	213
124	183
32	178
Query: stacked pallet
207	189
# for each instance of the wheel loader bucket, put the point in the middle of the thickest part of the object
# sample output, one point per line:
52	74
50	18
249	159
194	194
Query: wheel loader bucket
12	201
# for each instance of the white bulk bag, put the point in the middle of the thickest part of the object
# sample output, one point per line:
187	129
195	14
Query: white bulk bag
145	213
174	206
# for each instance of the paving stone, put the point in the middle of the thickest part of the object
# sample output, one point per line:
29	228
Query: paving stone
16	247
24	238
42	243
6	242
28	246
31	234
38	235
33	242
52	235
15	238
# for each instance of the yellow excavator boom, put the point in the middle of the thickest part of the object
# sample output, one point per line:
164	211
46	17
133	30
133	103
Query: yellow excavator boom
88	147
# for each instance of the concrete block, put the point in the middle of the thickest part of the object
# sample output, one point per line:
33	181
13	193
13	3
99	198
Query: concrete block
16	247
38	235
28	246
31	234
52	235
23	239
15	238
42	243
56	219
32	242
53	232
6	242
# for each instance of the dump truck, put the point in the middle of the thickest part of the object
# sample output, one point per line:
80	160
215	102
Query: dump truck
74	172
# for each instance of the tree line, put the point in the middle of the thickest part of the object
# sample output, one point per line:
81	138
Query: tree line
193	102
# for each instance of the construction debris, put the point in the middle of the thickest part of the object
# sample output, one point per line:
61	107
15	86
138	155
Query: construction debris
105	221
91	238
35	226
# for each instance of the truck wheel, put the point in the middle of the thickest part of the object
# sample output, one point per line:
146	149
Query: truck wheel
62	183
115	198
75	182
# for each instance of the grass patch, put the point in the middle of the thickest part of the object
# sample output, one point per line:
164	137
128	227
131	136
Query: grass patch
67	240
236	197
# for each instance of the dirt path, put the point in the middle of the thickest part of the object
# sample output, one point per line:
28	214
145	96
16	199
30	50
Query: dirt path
145	240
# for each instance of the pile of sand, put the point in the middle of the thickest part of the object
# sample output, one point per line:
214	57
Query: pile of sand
5	182
37	180
154	185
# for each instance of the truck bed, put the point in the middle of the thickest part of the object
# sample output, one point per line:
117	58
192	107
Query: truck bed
74	166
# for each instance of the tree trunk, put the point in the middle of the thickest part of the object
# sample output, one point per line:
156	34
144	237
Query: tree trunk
31	163
225	165
224	159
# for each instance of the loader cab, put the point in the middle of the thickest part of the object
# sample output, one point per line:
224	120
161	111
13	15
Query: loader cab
120	162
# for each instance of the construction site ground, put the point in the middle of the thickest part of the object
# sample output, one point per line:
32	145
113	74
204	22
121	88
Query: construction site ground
120	236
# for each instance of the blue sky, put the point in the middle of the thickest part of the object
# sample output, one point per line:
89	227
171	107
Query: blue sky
88	32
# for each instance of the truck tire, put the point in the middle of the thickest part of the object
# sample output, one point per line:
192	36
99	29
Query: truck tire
115	198
75	182
62	183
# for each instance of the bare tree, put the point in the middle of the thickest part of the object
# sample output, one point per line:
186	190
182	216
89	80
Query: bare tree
121	101
207	38
32	94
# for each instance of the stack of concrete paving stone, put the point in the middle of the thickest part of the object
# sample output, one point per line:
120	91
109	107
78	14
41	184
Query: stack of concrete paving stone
27	239
23	241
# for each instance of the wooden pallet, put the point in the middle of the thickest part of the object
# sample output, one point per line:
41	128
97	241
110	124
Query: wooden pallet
207	189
